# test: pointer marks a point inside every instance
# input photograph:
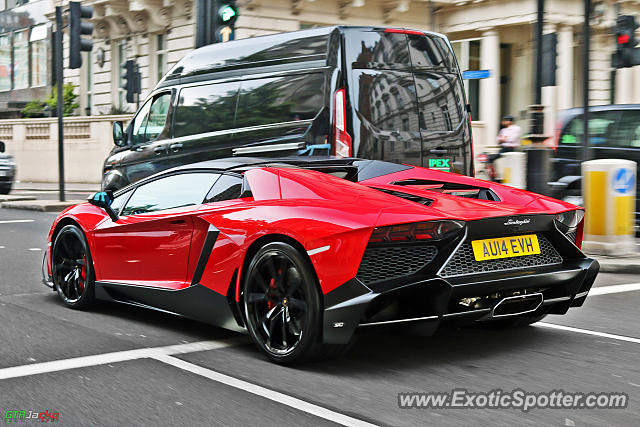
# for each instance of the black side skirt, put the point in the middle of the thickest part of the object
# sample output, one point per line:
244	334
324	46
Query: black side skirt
195	302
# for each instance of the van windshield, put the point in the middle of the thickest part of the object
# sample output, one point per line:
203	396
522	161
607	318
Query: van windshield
408	100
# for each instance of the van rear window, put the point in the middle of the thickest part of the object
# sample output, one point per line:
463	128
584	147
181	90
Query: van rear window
377	49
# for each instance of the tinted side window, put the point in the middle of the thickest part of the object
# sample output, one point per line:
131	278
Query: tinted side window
373	49
139	124
602	127
387	100
208	108
118	202
171	192
628	130
151	120
227	187
280	99
426	52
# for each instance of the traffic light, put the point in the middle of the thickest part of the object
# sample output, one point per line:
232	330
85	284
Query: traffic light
129	80
626	42
225	18
77	29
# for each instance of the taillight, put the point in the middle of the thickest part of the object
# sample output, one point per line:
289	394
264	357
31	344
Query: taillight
417	231
342	140
571	223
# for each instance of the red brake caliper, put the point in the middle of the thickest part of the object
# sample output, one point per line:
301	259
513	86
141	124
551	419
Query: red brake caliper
272	285
83	273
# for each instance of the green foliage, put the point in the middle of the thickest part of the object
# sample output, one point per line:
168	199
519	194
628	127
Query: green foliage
69	97
35	108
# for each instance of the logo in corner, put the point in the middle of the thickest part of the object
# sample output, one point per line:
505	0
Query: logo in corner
511	221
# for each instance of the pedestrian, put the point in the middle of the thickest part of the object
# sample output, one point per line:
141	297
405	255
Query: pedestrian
509	135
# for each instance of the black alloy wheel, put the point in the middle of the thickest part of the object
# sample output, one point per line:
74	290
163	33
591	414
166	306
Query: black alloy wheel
281	303
72	267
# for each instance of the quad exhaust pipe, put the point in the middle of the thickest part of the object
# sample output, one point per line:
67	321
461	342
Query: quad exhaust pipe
517	304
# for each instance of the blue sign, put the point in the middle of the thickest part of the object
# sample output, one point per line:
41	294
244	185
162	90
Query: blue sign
623	181
476	74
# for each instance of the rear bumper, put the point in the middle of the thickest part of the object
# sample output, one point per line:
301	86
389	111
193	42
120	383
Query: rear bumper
422	306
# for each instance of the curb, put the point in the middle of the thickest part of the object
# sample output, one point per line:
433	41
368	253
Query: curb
40	205
632	266
15	198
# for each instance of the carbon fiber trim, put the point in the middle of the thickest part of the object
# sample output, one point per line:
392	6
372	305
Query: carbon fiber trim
383	263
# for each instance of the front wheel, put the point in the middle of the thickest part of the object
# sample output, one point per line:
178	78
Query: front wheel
282	304
72	266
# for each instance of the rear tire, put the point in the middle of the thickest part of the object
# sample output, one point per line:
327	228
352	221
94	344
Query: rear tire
5	188
283	307
72	268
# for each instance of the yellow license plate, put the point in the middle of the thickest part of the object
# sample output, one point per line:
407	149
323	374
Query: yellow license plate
505	247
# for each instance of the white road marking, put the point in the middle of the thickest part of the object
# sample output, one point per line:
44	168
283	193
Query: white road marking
589	332
318	250
15	221
35	249
614	289
273	395
2	247
106	358
163	354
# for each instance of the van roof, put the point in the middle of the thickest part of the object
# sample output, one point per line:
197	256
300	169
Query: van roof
310	45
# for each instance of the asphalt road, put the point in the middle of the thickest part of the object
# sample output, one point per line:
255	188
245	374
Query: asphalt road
223	380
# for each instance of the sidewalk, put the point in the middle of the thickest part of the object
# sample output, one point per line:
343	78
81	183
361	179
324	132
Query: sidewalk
43	196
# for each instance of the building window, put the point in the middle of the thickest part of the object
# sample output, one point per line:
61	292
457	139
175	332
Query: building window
119	58
161	56
21	59
38	41
5	62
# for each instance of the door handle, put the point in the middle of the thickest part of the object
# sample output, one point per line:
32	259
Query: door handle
436	151
175	147
178	221
140	148
159	149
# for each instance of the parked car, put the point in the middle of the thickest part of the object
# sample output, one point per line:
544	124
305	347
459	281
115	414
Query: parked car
7	170
377	93
614	133
301	252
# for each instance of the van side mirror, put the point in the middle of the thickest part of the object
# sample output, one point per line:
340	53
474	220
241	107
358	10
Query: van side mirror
1	147
118	134
103	200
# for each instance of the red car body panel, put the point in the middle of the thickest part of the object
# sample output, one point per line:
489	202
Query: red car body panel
329	217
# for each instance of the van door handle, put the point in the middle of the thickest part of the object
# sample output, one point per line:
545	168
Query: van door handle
436	151
175	147
159	149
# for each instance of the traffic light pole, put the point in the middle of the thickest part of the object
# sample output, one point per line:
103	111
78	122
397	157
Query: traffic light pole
59	101
586	36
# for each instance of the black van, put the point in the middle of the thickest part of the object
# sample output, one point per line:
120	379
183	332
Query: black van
376	93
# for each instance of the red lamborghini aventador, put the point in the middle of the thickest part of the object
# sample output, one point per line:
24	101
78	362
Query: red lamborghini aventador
302	252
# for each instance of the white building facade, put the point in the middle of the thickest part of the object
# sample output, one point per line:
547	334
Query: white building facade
494	35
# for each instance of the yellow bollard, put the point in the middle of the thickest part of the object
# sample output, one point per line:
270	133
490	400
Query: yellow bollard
609	189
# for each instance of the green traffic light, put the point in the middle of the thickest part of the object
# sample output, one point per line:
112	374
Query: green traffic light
227	13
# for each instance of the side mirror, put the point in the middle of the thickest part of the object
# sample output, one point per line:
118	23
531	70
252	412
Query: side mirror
118	134
1	147
103	200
